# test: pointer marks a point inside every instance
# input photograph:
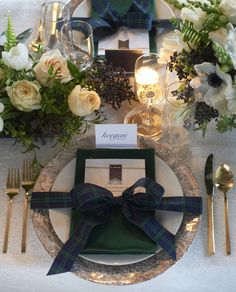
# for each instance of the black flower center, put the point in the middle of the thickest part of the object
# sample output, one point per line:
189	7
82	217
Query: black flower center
214	80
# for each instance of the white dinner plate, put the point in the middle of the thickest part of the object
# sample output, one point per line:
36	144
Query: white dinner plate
60	218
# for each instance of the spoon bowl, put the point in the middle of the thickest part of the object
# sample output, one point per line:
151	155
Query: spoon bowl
224	178
224	181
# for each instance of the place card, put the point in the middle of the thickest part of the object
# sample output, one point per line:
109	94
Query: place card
116	135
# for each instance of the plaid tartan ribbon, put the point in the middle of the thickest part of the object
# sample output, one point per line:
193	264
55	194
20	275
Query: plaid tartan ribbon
95	204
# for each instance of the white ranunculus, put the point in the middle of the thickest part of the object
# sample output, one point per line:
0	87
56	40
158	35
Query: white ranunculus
228	8
17	58
83	102
230	45
212	94
1	107
219	36
25	95
48	60
172	43
196	15
1	124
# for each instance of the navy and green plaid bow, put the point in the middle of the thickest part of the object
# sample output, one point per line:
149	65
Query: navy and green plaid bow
95	203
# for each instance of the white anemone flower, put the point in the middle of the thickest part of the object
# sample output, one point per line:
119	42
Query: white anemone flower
211	86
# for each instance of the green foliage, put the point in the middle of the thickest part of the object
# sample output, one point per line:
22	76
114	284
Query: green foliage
10	36
223	57
189	34
176	4
75	72
226	123
22	37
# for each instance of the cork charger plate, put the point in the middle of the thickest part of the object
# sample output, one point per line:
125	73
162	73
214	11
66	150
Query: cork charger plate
108	273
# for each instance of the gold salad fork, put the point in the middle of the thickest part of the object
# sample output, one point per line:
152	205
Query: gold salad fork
12	189
27	184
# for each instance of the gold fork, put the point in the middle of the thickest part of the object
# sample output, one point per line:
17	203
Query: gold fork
13	189
27	184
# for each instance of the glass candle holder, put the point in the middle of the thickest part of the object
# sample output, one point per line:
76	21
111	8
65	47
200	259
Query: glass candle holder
77	43
53	16
150	79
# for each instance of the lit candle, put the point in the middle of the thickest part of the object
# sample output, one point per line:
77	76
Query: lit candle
147	85
146	75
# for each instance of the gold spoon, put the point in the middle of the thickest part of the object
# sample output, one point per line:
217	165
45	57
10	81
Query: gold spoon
224	181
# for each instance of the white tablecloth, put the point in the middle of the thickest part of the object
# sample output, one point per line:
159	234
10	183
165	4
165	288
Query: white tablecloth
194	272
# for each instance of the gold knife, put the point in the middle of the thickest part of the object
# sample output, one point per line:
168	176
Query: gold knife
210	213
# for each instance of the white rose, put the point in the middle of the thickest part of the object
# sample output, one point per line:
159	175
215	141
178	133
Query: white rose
1	124
228	7
83	102
52	59
230	45
17	58
196	15
1	107
219	36
25	95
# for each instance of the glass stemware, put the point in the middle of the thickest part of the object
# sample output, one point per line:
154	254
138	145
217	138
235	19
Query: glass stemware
150	79
77	43
53	16
178	120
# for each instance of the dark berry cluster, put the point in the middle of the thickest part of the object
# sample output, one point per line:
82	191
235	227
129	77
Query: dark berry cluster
111	83
205	113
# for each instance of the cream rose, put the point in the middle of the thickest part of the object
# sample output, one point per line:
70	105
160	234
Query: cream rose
2	107
52	59
83	102
17	58
25	95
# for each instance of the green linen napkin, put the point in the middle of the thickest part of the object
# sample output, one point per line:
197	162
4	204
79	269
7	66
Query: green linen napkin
117	235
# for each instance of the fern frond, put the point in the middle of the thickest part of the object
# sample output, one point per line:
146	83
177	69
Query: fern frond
189	33
176	4
10	36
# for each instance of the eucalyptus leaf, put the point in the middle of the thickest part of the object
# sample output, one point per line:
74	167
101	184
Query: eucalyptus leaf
74	70
22	37
10	115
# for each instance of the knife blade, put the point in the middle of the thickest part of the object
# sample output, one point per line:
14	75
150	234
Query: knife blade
210	214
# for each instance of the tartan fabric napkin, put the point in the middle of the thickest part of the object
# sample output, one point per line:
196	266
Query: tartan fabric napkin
95	203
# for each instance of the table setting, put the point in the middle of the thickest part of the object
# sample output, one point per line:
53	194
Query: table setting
117	141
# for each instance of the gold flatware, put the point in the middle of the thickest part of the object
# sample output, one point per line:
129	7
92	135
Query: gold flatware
12	189
27	184
210	214
224	181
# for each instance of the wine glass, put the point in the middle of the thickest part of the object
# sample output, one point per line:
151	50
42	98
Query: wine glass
150	79
53	16
77	43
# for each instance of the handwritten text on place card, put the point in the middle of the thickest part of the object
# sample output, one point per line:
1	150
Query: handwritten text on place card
116	135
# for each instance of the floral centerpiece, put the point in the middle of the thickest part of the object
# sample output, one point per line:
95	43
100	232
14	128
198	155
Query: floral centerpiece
42	95
203	54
